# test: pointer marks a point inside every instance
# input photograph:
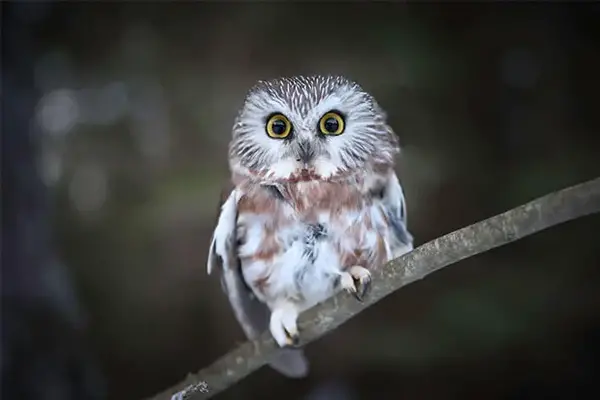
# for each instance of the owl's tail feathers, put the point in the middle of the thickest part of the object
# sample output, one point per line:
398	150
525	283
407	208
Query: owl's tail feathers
290	362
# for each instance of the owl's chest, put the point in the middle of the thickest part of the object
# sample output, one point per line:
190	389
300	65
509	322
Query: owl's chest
309	236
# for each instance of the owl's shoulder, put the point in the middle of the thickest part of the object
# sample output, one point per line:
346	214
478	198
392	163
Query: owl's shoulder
258	199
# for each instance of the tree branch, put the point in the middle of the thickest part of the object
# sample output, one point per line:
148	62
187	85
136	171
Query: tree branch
544	212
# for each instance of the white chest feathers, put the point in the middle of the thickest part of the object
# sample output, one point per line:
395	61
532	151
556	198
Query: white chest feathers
298	252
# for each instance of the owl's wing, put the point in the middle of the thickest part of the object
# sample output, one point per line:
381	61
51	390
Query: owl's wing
222	255
252	315
394	205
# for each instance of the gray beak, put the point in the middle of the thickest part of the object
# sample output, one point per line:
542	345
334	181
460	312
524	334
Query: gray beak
305	152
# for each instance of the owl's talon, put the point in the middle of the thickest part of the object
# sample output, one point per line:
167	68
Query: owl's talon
292	340
283	325
364	287
347	282
357	282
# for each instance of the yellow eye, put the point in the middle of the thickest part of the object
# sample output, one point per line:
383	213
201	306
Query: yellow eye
278	126
331	123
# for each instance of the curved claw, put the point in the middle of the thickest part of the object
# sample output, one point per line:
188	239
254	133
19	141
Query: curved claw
357	281
283	325
363	287
291	340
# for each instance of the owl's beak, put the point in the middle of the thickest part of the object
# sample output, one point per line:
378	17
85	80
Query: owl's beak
305	152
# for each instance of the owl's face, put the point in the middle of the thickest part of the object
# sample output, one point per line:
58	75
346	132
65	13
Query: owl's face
309	128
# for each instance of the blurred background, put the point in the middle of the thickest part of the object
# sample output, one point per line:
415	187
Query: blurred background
116	119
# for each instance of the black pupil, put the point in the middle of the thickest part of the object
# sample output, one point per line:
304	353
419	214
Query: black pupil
331	124
278	127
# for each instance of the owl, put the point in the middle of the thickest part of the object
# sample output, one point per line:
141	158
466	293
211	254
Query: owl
315	205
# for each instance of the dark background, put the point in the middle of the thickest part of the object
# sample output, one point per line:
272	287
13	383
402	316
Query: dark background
129	108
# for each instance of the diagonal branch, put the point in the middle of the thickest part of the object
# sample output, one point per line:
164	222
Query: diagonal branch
542	213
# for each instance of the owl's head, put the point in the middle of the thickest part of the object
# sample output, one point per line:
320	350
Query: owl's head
316	127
